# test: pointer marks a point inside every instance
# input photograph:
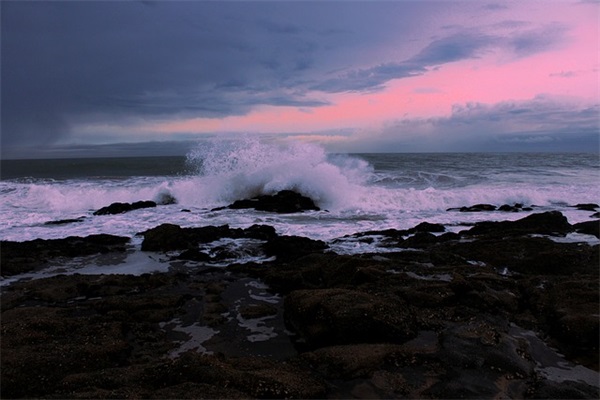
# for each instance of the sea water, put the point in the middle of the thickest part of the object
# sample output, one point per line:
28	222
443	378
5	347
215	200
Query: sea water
356	192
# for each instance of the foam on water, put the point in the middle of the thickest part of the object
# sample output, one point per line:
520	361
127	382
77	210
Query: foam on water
241	169
362	192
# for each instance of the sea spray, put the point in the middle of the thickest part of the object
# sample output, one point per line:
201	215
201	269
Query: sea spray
360	192
245	168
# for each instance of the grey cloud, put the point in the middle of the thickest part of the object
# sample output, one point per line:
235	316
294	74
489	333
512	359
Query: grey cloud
452	48
68	63
117	59
540	124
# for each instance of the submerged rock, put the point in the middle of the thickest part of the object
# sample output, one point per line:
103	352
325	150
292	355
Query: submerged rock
283	202
120	208
65	221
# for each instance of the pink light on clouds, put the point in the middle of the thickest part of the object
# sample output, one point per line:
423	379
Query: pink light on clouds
501	73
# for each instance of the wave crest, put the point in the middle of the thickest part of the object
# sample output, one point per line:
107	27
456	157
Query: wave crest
244	168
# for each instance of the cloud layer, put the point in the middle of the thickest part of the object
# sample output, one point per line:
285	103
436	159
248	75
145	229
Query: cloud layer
100	72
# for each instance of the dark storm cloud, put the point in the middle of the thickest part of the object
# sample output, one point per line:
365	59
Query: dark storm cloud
66	59
68	63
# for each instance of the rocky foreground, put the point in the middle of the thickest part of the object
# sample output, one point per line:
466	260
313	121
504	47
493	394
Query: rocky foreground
500	310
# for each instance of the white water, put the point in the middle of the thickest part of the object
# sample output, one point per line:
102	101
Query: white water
359	192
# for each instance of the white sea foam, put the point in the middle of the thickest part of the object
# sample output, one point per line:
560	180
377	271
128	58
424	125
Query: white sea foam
359	192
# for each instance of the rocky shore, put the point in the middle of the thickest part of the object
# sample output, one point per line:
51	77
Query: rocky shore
498	310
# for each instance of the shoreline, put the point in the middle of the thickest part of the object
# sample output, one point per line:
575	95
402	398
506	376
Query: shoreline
470	314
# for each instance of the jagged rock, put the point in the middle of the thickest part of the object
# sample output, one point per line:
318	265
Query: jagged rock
164	197
588	227
19	257
427	227
341	316
514	208
529	255
167	237
120	208
287	248
547	223
285	201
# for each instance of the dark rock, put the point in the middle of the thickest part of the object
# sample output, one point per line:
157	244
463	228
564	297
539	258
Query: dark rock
120	208
193	255
339	316
257	311
517	207
474	208
427	227
595	215
285	201
547	223
353	361
164	197
419	240
167	237
588	228
587	206
529	255
287	248
65	221
19	257
547	389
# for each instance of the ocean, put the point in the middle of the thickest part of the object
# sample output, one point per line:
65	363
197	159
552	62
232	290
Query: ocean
356	192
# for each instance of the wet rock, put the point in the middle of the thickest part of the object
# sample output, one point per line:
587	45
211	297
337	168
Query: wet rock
340	316
441	322
120	208
255	377
427	227
257	311
514	208
548	223
19	257
475	208
546	389
529	255
419	240
287	248
587	206
588	227
353	361
167	237
65	221
193	255
285	201
164	197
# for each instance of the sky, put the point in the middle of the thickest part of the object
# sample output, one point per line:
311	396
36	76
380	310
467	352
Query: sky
84	77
